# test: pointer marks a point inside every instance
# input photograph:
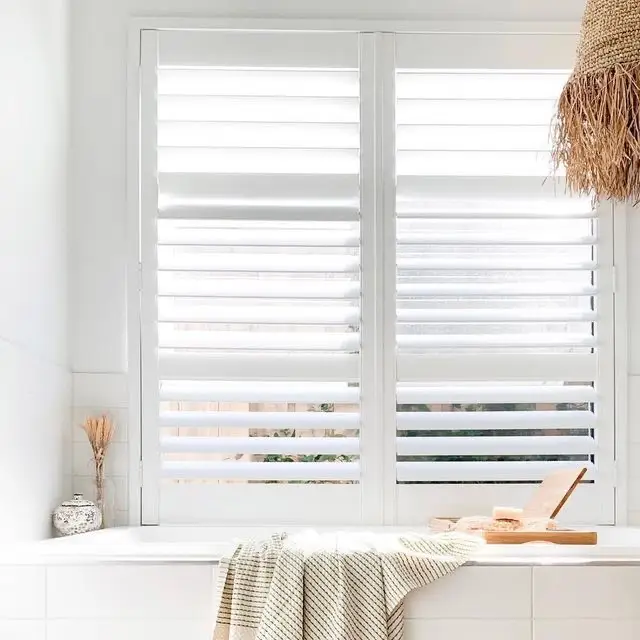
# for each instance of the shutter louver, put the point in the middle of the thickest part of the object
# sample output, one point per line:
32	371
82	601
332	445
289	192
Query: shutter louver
258	258
497	284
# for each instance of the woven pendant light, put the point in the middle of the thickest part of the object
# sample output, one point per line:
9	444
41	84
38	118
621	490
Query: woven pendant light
597	126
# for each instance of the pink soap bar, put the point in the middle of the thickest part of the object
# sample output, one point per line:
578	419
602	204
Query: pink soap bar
507	513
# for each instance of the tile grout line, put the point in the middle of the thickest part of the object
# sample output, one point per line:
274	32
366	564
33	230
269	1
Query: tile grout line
46	602
531	605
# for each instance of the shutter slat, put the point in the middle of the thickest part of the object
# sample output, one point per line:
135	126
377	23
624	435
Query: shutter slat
465	86
494	240
494	289
474	163
521	471
185	210
261	160
496	341
257	238
495	264
169	285
258	391
474	112
315	420
315	190
258	340
304	471
258	109
268	366
494	315
496	394
497	446
261	445
439	211
169	311
234	262
287	135
493	420
463	367
254	82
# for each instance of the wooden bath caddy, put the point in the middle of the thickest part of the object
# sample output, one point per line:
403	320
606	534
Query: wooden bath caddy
546	502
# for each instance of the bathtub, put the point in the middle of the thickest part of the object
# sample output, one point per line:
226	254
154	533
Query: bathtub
159	582
209	544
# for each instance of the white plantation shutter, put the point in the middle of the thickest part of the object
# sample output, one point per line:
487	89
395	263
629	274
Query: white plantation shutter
363	297
503	292
257	256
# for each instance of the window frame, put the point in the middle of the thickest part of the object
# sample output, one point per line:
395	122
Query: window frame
381	503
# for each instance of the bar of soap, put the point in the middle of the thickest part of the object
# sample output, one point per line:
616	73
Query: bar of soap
507	513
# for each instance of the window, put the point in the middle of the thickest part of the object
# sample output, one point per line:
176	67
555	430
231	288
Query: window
363	297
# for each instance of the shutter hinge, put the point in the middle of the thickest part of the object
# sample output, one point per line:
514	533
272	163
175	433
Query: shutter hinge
140	474
614	280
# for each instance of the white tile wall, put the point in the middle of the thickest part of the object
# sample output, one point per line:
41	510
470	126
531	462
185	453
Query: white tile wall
143	592
23	630
593	592
586	629
128	629
448	629
465	594
170	601
22	593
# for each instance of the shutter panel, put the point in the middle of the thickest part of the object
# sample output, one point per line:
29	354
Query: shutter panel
258	257
500	294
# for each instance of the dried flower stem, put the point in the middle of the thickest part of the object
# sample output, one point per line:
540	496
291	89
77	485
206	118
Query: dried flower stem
100	432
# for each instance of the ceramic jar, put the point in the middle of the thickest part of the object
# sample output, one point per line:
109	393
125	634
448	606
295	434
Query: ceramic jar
76	516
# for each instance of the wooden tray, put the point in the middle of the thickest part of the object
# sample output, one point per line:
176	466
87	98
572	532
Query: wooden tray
561	536
558	536
546	502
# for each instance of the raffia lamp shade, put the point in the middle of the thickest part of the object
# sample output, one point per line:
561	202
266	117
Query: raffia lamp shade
597	126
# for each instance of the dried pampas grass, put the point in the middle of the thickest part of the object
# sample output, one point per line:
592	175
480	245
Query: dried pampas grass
100	432
597	125
597	133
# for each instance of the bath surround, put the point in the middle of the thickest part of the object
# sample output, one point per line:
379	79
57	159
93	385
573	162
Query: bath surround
158	582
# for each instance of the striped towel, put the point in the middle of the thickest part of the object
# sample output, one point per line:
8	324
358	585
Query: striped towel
330	586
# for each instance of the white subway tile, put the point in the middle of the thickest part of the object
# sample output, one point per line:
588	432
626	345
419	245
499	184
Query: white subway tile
85	485
634	408
634	518
448	629
130	591
100	389
586	592
119	415
117	462
633	284
475	592
129	629
22	593
586	629
22	630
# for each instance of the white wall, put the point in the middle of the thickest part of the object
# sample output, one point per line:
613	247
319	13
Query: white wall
99	34
164	602
35	382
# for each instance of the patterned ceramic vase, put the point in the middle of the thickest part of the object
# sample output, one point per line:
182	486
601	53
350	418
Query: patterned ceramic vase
76	516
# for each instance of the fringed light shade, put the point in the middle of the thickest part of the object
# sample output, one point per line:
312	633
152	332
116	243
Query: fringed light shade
597	126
